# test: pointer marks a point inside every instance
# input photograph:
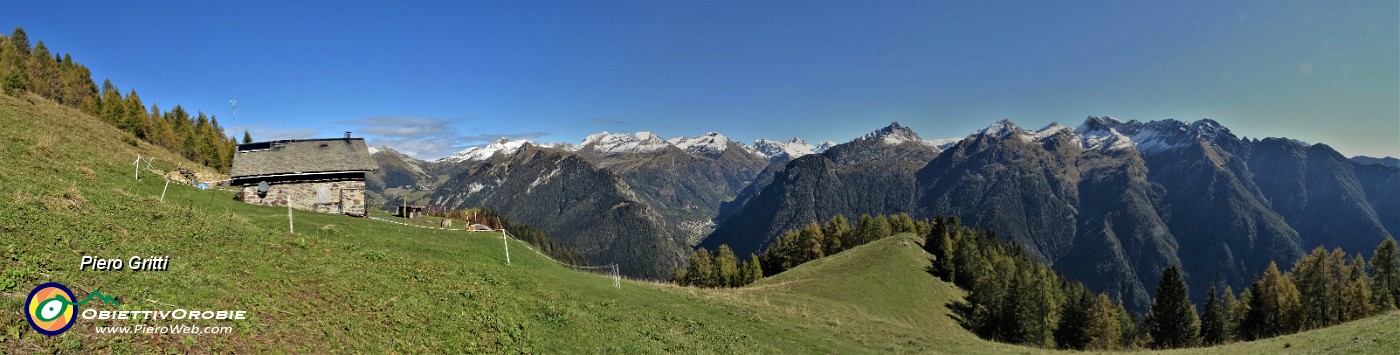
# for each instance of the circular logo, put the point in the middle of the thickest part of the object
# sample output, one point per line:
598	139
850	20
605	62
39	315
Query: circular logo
50	309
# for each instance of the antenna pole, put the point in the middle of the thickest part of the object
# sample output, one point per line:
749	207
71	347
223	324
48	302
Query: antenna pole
234	103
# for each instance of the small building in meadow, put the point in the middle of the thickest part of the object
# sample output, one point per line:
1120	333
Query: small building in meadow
322	175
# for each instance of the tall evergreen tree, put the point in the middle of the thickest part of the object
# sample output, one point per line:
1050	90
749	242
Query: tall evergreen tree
1072	330
1385	277
701	271
837	232
726	268
1213	322
1172	321
755	271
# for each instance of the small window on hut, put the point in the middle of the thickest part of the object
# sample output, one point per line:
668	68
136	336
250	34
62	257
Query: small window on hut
323	194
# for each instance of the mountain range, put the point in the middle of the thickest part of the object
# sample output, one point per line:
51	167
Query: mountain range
1108	202
633	199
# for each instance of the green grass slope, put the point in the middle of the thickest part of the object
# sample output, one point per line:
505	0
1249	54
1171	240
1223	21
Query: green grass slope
341	284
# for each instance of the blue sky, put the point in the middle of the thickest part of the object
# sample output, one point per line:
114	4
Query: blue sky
430	78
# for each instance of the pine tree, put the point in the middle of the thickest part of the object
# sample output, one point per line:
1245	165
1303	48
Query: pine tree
755	270
726	268
882	229
1385	275
944	256
811	243
247	138
1072	331
701	271
835	232
1213	322
865	230
1172	321
19	41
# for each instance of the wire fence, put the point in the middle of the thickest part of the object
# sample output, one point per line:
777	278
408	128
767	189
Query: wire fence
611	270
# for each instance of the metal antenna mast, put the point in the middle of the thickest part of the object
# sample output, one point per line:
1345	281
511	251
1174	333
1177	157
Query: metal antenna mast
235	119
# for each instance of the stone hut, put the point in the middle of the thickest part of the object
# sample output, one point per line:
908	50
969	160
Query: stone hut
322	175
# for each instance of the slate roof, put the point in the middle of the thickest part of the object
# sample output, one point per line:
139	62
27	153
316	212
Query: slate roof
301	156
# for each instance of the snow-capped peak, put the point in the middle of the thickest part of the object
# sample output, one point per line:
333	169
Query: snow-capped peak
373	149
709	144
481	153
790	149
999	129
820	148
894	134
1149	137
618	143
1048	131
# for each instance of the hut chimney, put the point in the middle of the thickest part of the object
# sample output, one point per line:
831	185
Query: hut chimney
347	135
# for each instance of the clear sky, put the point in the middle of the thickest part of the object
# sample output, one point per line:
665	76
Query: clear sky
430	78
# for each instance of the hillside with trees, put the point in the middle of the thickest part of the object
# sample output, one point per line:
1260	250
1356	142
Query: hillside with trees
195	136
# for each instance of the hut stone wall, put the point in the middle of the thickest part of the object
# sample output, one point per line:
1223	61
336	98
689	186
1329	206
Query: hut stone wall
329	197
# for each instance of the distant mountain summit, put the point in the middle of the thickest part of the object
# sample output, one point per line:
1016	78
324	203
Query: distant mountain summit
1385	161
501	147
616	143
711	144
787	150
894	134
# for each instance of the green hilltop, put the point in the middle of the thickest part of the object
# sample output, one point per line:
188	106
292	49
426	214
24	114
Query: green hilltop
341	284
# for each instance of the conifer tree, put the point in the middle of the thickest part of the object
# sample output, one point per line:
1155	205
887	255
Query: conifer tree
1072	331
1105	331
1172	321
881	229
1385	277
1231	306
701	270
837	232
247	138
1357	298
1214	319
726	268
1317	288
1273	306
755	270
